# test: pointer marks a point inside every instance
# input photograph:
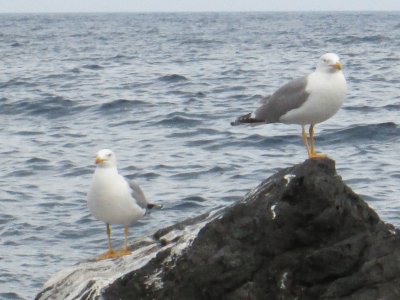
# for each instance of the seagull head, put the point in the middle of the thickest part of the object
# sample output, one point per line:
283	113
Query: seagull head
106	158
330	63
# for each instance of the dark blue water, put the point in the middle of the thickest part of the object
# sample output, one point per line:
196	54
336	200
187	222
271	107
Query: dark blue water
161	90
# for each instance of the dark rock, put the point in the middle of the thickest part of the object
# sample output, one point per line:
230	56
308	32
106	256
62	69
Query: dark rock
301	234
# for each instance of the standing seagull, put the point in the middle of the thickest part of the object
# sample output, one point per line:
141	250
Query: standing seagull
114	200
307	100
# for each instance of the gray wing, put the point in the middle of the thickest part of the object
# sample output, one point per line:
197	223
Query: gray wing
138	194
290	96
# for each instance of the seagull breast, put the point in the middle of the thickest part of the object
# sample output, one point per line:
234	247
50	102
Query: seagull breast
110	200
326	95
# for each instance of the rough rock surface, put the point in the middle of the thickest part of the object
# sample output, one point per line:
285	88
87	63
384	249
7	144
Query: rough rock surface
301	234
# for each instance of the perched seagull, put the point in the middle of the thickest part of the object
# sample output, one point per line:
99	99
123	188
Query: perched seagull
308	100
114	200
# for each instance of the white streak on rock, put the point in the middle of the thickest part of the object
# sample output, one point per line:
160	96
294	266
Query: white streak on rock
288	178
283	281
155	280
254	192
90	278
273	211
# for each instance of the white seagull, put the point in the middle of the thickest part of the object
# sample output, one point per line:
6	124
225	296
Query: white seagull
115	200
308	100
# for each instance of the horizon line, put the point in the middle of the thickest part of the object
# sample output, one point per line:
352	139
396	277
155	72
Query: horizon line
195	11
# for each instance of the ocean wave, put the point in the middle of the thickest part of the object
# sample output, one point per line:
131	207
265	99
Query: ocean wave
5	218
201	42
193	132
16	44
37	160
202	172
50	106
194	199
201	142
354	39
77	172
28	132
361	108
187	205
147	175
75	70
93	67
172	78
10	295
265	141
16	82
122	57
179	120
374	132
392	107
21	173
120	105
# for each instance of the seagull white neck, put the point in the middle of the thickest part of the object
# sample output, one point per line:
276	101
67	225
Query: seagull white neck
106	169
334	80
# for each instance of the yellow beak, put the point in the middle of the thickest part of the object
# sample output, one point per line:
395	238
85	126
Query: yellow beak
337	66
99	160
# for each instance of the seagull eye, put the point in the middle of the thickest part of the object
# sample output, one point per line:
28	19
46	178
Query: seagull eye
109	155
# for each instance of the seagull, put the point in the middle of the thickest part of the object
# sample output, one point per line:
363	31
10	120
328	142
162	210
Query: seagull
115	200
308	100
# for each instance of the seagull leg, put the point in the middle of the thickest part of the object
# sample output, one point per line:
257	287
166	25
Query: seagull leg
305	141
313	153
110	249
125	250
110	253
311	131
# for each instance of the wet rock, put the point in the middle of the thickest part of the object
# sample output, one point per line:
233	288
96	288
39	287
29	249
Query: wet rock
301	234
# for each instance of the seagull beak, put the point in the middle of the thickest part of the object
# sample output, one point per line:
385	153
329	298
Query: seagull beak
99	160
337	66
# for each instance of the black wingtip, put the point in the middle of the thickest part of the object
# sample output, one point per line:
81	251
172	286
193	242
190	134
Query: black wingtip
241	119
246	119
152	205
